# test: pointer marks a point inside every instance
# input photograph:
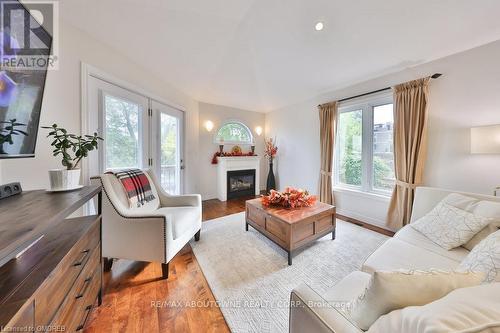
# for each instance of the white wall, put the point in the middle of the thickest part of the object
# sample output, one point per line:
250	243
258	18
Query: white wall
218	115
468	94
62	105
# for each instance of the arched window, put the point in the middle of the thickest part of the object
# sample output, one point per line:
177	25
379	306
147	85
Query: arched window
234	132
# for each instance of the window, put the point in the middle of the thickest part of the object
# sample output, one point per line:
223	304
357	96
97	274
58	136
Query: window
350	147
234	132
383	148
122	129
364	152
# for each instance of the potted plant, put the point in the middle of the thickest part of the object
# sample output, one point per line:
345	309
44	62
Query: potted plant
7	132
72	149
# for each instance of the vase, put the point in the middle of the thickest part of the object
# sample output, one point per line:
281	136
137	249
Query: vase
62	179
271	181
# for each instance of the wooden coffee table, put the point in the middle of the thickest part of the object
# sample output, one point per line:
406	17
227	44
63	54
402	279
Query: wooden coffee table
291	229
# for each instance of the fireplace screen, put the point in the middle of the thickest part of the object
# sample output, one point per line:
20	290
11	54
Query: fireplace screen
240	183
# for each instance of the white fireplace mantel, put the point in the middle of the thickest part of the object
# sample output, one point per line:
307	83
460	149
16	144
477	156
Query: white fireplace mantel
225	164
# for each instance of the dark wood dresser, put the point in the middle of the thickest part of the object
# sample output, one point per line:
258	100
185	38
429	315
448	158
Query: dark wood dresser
51	286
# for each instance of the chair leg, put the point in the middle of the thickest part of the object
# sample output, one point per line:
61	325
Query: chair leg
164	271
197	236
108	262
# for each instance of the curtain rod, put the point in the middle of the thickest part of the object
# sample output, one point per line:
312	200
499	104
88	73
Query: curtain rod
433	76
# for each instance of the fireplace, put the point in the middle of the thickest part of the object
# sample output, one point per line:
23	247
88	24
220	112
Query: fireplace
240	183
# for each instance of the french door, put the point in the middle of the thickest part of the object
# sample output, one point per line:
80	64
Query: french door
124	126
168	128
138	132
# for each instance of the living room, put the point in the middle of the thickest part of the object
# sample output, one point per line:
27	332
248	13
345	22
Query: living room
250	166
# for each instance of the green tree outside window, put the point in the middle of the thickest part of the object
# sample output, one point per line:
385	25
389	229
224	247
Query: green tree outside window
234	132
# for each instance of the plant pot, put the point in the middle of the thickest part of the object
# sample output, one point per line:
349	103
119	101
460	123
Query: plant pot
62	179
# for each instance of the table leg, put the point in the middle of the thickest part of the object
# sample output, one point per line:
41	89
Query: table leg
333	234
246	226
289	258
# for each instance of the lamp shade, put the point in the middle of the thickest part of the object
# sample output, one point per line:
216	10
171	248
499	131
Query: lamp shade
258	130
485	140
209	125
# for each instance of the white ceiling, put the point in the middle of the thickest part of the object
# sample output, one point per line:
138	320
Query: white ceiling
264	54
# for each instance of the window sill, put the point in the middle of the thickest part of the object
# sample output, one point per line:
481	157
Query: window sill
360	193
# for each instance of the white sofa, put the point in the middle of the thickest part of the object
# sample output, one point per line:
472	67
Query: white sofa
154	232
408	249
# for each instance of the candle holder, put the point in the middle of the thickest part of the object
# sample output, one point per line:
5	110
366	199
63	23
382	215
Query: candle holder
221	149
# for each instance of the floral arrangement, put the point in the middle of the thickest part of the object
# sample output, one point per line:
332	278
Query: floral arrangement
289	198
231	154
271	149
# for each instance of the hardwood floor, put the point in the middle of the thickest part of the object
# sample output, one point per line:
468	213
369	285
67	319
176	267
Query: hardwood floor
131	288
136	299
213	209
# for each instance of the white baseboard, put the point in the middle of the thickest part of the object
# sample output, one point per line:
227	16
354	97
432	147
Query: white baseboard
363	218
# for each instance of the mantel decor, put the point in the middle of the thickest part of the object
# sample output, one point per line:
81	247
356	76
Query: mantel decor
290	198
270	152
230	154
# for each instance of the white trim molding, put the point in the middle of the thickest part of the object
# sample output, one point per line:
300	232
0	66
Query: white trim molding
226	164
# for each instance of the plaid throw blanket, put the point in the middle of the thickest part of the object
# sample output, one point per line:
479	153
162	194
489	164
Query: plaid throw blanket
136	184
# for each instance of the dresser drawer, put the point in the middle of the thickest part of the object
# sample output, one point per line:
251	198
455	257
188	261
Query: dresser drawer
81	296
276	228
257	216
324	224
301	231
55	288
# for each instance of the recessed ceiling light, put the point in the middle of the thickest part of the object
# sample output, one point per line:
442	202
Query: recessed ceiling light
319	26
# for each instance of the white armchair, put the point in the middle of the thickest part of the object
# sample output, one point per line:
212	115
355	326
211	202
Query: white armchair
154	232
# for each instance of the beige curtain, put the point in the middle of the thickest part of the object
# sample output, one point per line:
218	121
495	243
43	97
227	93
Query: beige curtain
410	144
328	122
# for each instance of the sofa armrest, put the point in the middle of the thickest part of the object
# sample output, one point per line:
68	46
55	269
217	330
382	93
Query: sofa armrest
193	200
309	312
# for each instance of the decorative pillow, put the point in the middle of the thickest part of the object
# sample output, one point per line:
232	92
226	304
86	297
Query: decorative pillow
461	201
474	309
485	232
388	291
449	226
488	209
485	257
136	185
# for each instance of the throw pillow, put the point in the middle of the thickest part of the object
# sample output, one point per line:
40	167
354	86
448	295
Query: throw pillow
461	201
449	226
473	309
388	291
485	257
488	209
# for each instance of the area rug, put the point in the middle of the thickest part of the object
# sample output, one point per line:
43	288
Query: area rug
250	277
